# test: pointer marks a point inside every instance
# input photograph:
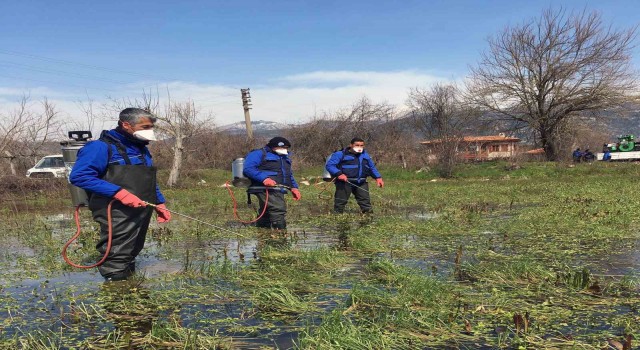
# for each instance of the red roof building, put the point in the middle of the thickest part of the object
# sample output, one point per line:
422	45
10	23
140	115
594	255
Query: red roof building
478	148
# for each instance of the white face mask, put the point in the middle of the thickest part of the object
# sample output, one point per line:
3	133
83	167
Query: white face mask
358	149
281	151
145	135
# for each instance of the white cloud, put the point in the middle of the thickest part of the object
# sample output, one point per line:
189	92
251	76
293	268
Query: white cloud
291	99
352	78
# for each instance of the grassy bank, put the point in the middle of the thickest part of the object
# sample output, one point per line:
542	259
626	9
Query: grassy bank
539	256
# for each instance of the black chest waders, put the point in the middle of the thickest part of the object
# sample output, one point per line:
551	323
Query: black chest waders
356	170
272	207
271	201
128	225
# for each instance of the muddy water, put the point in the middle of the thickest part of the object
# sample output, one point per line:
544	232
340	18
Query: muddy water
48	303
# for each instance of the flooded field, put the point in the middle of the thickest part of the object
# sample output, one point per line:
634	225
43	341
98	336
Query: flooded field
544	259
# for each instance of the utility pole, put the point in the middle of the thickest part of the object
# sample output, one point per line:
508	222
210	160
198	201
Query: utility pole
246	104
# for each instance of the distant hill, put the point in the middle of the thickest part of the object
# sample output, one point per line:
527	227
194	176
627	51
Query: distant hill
260	128
618	122
622	122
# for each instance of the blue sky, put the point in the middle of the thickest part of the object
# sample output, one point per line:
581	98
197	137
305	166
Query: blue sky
299	57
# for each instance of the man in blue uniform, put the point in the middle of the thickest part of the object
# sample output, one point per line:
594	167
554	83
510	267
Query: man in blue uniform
118	168
577	155
351	167
269	169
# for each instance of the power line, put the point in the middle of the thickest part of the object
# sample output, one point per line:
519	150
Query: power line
58	72
76	64
56	83
90	66
84	76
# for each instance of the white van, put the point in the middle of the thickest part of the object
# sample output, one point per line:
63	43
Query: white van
48	167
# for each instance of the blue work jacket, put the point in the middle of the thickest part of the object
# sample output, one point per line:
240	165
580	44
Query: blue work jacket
263	163
357	166
92	163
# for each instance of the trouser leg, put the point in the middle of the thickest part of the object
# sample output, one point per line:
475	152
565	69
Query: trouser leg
362	197
263	221
341	197
129	230
277	210
275	216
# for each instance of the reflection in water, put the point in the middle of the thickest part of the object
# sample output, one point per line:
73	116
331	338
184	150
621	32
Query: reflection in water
128	306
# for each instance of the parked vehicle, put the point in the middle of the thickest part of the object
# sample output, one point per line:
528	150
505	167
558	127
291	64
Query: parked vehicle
48	167
627	148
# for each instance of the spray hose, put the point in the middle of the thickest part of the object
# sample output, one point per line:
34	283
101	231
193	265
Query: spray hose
235	206
377	195
76	215
110	233
266	202
324	186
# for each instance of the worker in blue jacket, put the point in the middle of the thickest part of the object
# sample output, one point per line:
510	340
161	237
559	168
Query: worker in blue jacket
350	168
118	168
269	169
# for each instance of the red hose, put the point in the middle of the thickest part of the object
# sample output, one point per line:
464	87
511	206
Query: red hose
235	205
109	238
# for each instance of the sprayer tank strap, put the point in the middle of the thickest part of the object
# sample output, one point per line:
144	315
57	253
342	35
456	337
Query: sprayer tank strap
110	140
138	179
122	150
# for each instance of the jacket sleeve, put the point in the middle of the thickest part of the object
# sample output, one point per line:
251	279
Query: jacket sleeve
374	171
333	162
251	164
90	166
159	196
294	183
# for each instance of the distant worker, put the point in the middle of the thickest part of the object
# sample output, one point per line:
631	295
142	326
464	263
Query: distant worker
577	155
269	169
118	168
606	152
588	156
350	167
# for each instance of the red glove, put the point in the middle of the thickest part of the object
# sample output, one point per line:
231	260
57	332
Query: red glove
343	177
380	182
296	194
163	214
269	182
129	199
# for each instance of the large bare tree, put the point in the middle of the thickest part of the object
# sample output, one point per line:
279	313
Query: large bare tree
442	116
554	68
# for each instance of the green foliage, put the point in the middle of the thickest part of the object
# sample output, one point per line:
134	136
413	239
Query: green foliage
538	256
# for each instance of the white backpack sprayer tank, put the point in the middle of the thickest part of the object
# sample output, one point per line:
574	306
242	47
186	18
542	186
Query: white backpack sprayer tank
70	150
237	168
326	176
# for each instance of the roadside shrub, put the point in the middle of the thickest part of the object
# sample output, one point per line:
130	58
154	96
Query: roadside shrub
11	186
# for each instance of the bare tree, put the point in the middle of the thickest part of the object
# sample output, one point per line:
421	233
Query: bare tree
551	69
25	130
441	114
331	132
181	121
90	116
178	121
